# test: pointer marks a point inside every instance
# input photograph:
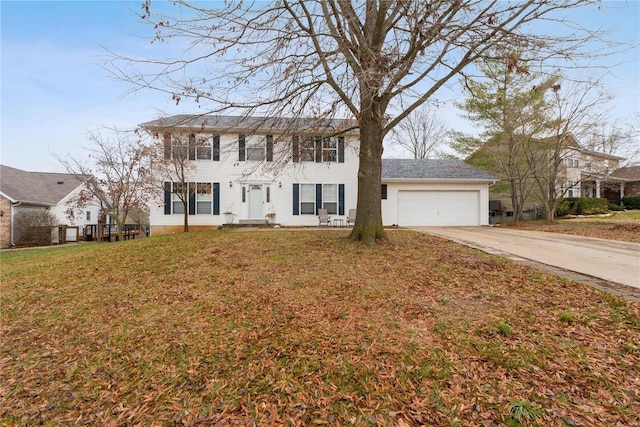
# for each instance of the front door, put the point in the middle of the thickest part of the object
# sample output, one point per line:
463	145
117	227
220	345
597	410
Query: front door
255	202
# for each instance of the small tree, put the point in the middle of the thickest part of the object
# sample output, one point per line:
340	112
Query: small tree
33	227
421	133
120	164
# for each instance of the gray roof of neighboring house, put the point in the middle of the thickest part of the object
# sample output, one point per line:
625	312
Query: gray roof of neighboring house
432	169
42	188
629	173
249	124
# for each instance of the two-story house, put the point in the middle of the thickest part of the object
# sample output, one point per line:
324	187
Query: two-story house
585	172
22	191
254	170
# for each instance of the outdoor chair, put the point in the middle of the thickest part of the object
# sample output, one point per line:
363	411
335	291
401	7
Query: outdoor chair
351	219
323	217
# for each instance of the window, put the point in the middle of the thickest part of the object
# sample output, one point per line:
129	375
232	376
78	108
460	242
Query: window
204	198
573	163
204	148
383	192
330	150
307	199
268	194
258	148
308	149
177	192
573	190
88	215
330	198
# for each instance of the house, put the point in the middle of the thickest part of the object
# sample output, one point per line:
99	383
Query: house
585	172
22	191
622	182
255	169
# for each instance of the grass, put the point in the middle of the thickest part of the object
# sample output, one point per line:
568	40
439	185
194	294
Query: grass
623	226
301	328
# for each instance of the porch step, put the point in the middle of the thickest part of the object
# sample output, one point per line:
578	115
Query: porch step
249	223
253	221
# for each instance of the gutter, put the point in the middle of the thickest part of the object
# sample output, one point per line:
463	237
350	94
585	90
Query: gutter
13	204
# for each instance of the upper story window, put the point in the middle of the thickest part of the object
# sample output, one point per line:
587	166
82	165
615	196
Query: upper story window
573	162
312	148
255	148
192	147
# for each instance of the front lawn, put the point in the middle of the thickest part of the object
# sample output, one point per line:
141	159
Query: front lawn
305	328
622	226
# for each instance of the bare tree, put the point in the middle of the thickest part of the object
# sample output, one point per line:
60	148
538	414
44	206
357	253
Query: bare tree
120	164
421	133
336	58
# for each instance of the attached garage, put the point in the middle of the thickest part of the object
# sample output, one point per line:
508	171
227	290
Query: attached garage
434	192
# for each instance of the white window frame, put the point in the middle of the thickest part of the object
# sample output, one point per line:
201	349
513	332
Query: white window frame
204	198
307	200
330	204
204	144
330	149
308	148
176	201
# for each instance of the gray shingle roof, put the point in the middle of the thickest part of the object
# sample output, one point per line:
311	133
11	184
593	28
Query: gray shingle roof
249	124
45	188
629	173
432	169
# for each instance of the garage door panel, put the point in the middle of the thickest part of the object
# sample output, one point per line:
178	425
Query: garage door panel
438	208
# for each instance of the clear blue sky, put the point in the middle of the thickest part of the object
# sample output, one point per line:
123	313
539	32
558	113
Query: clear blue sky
54	89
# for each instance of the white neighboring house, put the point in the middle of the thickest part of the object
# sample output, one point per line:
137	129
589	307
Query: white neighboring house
284	170
22	190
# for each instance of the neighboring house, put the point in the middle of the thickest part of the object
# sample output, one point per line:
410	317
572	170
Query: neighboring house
582	173
623	182
284	170
21	191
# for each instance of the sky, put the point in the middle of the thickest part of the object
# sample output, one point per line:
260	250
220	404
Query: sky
54	89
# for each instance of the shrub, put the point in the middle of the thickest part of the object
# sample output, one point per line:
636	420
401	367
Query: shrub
615	208
631	202
33	227
582	206
504	329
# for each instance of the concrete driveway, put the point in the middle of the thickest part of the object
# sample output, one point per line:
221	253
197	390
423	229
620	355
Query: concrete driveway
609	260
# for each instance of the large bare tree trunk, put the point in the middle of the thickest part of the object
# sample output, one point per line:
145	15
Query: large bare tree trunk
368	226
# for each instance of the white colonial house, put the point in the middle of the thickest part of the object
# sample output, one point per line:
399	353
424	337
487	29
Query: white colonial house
258	170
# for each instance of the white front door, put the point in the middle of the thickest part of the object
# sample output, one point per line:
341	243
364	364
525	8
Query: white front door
255	202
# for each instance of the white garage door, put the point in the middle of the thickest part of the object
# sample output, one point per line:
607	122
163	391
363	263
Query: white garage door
438	208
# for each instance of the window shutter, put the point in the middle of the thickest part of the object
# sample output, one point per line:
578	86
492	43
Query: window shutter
167	198
167	146
341	149
192	146
241	148
318	150
296	199
216	148
383	194
318	197
269	148
192	198
216	197
295	154
340	199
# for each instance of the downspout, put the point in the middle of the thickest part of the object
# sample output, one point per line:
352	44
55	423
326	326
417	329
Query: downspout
13	204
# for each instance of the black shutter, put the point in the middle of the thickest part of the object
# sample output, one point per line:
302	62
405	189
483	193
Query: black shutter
216	148
192	146
192	198
341	149
340	199
318	197
269	148
295	153
241	148
167	198
296	199
318	143
383	194
216	197
167	145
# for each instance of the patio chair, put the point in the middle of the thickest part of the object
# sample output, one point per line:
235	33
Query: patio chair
351	219
323	217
